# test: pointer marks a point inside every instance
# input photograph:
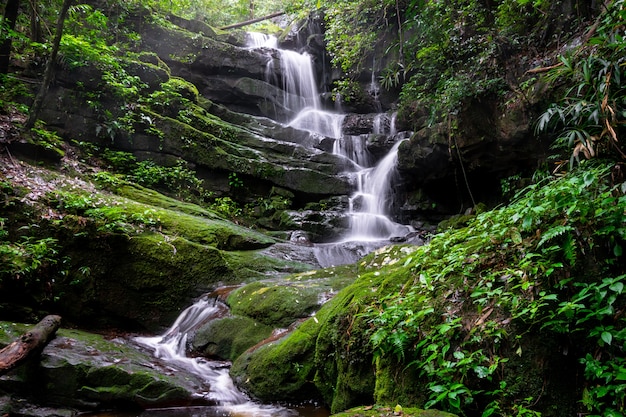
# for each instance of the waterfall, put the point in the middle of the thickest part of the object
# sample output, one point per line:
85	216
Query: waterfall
297	80
369	207
369	204
171	347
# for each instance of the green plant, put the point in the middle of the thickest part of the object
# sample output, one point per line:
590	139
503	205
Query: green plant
120	161
30	262
107	180
227	207
527	265
178	178
11	88
593	108
234	181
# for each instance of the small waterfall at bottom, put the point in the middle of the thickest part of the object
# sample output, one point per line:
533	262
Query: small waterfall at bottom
171	349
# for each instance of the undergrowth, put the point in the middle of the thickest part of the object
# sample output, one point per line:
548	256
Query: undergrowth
550	263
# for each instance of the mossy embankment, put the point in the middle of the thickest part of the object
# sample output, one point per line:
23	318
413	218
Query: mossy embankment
518	312
123	255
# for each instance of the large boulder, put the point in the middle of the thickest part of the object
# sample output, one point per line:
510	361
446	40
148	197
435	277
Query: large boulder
325	356
85	371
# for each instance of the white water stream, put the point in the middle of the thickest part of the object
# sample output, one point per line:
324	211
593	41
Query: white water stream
220	389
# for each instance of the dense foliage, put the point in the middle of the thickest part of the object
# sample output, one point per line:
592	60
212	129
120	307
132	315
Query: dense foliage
549	264
444	53
591	116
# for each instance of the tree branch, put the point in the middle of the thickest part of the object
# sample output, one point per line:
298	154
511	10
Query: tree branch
29	344
251	21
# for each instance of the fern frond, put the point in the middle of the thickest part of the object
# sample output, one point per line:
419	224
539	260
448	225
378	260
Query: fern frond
569	249
553	232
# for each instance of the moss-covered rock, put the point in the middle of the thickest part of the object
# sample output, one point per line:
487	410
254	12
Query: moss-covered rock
228	337
131	258
388	411
278	370
87	371
281	302
327	355
276	305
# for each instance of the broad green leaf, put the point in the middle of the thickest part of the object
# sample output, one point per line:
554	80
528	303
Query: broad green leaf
617	287
607	337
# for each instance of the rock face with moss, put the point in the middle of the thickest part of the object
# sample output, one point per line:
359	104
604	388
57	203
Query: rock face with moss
132	258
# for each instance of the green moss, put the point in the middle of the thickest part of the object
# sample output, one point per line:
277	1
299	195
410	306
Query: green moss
154	198
229	337
278	305
331	349
390	411
118	214
255	265
161	272
184	88
281	369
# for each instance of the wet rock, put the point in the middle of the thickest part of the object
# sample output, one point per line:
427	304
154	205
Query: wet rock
326	355
322	221
85	371
454	167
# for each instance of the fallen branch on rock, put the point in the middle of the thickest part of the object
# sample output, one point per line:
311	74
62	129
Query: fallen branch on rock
251	21
29	344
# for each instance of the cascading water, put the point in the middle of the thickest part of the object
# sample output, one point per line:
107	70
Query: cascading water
300	94
369	205
171	348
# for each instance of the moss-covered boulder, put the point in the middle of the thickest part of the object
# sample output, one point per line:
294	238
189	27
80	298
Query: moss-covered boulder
86	371
388	411
264	310
274	305
326	356
131	257
228	337
278	371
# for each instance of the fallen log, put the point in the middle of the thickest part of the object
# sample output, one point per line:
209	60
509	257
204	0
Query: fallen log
29	344
251	21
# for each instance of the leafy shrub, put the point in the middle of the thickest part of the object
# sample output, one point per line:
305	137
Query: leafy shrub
590	117
226	207
29	262
552	260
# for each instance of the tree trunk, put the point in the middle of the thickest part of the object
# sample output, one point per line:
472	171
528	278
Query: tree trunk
35	23
47	77
251	21
10	17
29	344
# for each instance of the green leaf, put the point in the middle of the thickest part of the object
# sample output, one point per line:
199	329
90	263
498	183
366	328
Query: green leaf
516	237
607	337
437	388
617	250
482	371
617	287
